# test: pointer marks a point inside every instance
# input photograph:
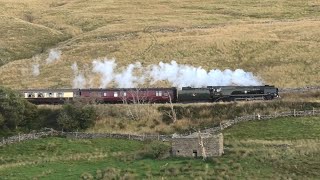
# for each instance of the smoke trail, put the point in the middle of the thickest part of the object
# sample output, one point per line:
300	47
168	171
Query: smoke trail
79	80
74	68
54	55
127	79
178	75
185	75
35	69
104	67
35	66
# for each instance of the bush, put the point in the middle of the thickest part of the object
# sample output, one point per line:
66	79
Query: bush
76	116
48	118
16	114
155	150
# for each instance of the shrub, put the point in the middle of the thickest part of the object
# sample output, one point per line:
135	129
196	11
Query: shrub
155	150
86	176
16	114
76	116
48	118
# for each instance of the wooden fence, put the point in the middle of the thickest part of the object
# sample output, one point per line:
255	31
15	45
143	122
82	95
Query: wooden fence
225	124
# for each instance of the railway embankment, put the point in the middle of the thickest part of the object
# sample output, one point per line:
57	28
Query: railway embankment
143	137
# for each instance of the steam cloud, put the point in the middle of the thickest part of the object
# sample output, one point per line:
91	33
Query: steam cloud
79	80
54	55
185	75
35	69
178	75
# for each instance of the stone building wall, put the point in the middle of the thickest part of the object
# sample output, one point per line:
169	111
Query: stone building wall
189	146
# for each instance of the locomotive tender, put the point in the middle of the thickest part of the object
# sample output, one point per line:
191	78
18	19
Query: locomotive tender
152	95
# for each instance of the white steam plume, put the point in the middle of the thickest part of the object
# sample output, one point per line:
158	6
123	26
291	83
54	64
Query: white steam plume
54	55
176	74
106	69
35	69
79	80
127	79
186	75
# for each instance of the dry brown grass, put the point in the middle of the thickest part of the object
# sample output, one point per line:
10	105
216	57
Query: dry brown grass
277	40
153	119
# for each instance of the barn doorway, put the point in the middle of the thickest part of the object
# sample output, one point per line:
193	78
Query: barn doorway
195	154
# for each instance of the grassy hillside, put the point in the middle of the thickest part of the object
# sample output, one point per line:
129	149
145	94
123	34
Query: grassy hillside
277	40
279	148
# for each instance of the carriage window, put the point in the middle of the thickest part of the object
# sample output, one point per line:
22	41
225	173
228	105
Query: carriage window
115	94
50	94
158	93
124	94
60	94
40	95
30	95
104	94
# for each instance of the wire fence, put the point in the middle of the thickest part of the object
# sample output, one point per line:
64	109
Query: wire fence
83	135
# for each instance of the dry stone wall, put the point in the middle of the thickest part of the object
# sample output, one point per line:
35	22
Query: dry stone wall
213	130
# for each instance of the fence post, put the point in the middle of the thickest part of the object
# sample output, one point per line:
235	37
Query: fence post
294	112
77	133
313	111
3	142
19	137
254	116
275	114
129	136
143	136
158	137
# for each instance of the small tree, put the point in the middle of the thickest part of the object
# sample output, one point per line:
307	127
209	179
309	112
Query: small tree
16	113
67	120
76	116
133	101
11	108
172	113
30	119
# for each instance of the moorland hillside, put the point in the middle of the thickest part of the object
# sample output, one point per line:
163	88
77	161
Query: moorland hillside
278	41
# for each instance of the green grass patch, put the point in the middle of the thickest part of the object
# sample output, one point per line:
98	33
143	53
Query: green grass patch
276	129
280	148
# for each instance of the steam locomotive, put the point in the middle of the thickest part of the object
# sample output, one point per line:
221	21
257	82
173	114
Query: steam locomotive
152	95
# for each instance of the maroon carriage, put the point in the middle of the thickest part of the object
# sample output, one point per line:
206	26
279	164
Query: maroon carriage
130	95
